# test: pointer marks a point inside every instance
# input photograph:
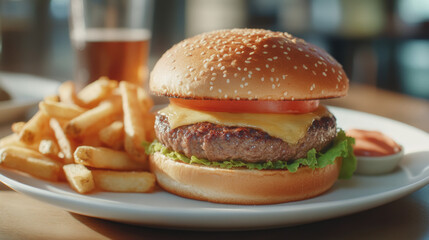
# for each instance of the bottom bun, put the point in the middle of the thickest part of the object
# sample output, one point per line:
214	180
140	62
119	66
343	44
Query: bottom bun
241	186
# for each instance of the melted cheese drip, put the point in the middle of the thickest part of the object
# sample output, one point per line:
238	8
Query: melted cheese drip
288	127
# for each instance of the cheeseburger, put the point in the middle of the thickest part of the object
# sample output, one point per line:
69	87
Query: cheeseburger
244	124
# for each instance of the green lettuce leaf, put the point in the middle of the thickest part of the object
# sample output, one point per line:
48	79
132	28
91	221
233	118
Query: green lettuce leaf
342	147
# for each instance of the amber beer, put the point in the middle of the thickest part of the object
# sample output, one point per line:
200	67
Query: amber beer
120	54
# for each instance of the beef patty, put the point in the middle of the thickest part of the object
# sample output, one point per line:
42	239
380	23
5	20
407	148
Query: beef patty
217	142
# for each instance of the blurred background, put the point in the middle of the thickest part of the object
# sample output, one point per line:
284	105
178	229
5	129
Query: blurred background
379	42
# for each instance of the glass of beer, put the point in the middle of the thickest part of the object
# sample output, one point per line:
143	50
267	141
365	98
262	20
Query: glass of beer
111	38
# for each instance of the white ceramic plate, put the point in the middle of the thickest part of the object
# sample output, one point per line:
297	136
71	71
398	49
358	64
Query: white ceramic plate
26	91
161	209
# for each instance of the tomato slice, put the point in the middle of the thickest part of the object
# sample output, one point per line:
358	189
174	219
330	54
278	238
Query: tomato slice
240	106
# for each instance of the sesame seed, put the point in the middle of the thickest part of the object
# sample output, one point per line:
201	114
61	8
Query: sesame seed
264	52
286	53
304	66
285	93
219	90
267	66
246	84
314	73
213	78
295	67
275	58
238	98
247	61
288	58
227	81
307	55
222	68
300	49
187	75
324	74
272	69
274	46
245	69
211	83
257	69
251	53
214	74
235	91
211	88
226	95
224	75
243	79
273	86
262	79
270	59
265	45
271	79
241	85
235	74
249	92
284	76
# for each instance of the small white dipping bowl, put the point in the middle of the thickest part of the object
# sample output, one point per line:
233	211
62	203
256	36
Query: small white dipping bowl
378	165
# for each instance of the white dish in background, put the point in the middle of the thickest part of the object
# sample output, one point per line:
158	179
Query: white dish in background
161	209
26	91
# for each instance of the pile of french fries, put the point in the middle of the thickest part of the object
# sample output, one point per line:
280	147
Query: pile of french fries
91	139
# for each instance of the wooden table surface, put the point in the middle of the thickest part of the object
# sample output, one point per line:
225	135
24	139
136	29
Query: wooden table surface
22	217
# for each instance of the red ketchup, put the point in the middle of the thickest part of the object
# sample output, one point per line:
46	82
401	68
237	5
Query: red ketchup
372	143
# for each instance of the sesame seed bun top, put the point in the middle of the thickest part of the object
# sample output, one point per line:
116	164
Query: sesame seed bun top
248	64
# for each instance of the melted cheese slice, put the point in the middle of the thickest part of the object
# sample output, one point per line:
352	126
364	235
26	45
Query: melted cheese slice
288	127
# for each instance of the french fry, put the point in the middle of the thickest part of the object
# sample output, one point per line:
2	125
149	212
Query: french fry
135	132
49	148
31	162
146	102
115	181
105	158
13	140
113	135
17	127
79	178
94	119
52	98
67	93
66	145
35	129
97	91
60	110
91	140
